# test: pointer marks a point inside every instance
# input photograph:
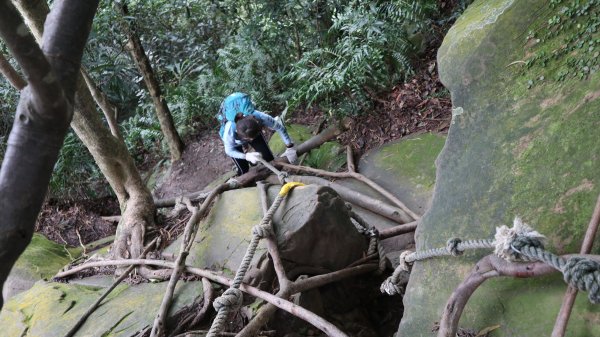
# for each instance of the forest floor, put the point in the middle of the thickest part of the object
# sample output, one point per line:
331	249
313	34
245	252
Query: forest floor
420	105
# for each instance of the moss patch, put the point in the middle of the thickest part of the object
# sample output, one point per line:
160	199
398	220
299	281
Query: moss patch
329	156
51	309
515	150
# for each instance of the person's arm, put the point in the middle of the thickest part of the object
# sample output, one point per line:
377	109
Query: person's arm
229	143
273	124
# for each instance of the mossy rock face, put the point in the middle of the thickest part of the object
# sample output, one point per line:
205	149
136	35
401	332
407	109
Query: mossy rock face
512	150
224	234
406	168
52	309
329	156
41	260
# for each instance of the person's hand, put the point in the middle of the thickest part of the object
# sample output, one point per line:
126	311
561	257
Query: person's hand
253	157
291	154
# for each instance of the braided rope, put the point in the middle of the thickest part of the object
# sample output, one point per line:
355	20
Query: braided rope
232	297
519	243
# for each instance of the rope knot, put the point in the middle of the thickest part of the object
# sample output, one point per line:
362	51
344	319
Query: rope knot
584	274
233	183
394	284
403	263
282	176
452	247
231	299
263	231
510	241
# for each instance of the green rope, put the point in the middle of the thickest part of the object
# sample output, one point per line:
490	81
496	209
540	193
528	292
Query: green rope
519	243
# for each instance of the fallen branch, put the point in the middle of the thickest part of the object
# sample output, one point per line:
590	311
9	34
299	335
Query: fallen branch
207	298
355	175
281	303
94	306
560	326
488	267
398	230
374	205
191	228
259	172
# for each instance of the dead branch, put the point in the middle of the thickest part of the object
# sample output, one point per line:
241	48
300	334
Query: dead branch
374	205
398	230
191	321
191	228
488	267
259	172
281	303
560	326
94	306
411	216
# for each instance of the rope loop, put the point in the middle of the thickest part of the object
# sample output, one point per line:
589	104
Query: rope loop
452	247
263	231
584	274
390	287
231	299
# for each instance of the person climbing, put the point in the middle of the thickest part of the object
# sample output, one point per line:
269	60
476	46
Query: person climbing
241	125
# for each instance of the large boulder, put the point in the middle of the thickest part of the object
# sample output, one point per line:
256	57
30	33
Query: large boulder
52	309
523	142
40	261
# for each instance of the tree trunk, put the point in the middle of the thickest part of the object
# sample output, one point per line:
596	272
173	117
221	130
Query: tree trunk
11	74
42	119
109	152
134	46
111	112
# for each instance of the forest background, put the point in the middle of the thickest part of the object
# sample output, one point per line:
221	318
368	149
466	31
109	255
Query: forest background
329	57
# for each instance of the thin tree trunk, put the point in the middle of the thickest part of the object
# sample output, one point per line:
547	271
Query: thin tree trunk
11	74
110	110
43	115
109	153
134	46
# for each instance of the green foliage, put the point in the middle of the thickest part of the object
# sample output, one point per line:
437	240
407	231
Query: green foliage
371	53
75	173
566	45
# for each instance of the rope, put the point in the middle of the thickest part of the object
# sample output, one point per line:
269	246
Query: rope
364	228
519	243
232	297
281	175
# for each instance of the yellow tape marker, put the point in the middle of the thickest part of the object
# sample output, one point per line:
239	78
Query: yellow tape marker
288	187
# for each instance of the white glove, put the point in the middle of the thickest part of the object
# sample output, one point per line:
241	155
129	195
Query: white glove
253	157
291	154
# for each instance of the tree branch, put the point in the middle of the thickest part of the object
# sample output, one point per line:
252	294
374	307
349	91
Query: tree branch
11	74
560	326
488	267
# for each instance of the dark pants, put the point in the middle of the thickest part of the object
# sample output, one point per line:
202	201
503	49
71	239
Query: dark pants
260	145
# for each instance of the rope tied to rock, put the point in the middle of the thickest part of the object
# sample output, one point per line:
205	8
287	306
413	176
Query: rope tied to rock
516	244
232	298
364	228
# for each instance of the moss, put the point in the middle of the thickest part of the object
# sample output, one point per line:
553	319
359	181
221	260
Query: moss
329	156
51	309
44	258
412	158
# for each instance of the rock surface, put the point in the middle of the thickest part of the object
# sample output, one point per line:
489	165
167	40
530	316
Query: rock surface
513	150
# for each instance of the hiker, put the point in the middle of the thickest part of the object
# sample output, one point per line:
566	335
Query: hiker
241	125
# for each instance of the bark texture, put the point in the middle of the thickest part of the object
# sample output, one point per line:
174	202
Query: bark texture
43	115
109	153
135	48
